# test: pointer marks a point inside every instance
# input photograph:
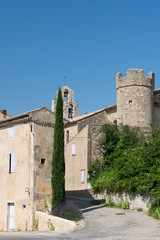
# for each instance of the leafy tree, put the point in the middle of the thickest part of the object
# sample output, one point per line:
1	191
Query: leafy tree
131	161
58	165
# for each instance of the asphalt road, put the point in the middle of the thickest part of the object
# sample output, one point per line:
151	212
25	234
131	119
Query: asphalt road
102	223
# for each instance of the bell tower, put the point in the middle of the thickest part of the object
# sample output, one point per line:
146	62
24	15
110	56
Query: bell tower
70	107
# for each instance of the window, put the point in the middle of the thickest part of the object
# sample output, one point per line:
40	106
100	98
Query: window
11	162
67	137
82	176
11	132
73	149
42	160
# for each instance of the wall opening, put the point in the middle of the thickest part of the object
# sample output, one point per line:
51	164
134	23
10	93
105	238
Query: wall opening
42	161
65	96
70	111
11	216
67	137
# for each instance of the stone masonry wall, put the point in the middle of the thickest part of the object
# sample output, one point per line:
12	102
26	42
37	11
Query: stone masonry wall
135	200
135	98
94	123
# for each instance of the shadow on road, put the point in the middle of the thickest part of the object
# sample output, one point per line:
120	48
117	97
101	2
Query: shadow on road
87	204
93	208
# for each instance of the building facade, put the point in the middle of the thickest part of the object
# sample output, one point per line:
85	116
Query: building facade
25	163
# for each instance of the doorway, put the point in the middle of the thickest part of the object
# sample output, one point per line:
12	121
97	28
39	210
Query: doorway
11	216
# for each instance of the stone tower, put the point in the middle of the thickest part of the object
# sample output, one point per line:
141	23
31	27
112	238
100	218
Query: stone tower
135	98
70	107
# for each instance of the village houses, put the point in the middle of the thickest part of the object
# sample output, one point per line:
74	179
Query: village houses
27	145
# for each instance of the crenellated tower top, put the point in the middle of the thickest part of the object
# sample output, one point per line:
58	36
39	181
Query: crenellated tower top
135	77
135	98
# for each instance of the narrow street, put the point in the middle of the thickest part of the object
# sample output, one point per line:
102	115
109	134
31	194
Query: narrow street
102	223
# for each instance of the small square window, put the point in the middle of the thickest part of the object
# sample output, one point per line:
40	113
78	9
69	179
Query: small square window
130	101
42	160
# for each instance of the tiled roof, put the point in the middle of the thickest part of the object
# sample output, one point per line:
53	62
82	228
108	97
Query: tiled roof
157	90
77	118
21	115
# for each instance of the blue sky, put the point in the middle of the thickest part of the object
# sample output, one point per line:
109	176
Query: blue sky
87	40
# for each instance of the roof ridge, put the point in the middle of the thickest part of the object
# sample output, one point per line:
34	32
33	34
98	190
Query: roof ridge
77	118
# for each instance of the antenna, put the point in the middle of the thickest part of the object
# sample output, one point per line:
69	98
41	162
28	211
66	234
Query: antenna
65	79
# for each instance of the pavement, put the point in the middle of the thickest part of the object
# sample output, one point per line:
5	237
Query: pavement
101	223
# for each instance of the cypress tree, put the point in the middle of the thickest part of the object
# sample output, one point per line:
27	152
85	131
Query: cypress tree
58	165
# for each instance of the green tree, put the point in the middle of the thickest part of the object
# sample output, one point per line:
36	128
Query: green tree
131	161
58	165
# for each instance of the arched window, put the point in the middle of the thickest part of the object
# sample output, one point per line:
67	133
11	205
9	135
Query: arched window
67	136
70	111
65	97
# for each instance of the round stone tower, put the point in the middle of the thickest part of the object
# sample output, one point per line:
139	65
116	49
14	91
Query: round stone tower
135	98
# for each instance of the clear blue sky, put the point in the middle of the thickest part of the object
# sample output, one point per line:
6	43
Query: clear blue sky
88	40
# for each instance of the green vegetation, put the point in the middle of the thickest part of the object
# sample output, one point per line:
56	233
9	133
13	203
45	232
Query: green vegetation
58	166
34	223
131	161
139	209
45	204
124	204
50	225
154	209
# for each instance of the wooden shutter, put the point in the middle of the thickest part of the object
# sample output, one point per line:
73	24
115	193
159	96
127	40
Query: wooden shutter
73	149
9	163
12	162
11	132
82	176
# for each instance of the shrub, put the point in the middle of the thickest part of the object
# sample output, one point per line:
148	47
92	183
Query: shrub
154	209
124	204
139	209
67	210
131	161
111	202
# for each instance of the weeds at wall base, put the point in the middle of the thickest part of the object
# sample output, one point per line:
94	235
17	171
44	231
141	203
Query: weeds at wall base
154	210
124	204
34	223
50	225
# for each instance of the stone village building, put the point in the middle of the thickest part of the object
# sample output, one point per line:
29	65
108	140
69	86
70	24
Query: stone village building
25	167
27	145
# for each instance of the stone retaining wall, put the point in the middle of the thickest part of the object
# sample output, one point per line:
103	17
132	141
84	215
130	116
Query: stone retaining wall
135	200
60	224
